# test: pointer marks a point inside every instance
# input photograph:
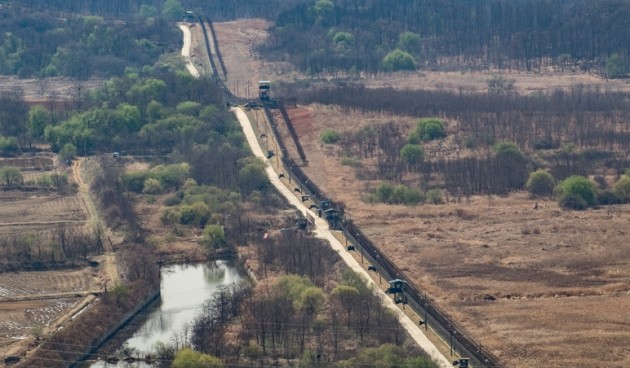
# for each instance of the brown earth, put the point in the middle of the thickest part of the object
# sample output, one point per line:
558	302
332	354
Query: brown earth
36	303
537	287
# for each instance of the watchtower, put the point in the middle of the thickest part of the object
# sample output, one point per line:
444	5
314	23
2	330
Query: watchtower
263	90
398	288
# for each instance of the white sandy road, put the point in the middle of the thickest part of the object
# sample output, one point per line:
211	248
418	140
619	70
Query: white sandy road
321	231
186	51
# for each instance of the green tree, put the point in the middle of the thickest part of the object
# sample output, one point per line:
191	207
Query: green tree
622	188
412	154
147	11
398	60
252	175
188	358
67	152
172	10
330	136
576	192
430	129
8	145
409	42
435	196
616	67
38	118
540	182
213	236
152	186
11	176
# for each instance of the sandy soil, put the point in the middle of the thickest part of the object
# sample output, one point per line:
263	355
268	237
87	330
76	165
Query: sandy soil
540	287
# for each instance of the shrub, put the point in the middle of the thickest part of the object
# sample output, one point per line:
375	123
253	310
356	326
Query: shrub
8	145
435	196
573	201
398	60
330	136
152	186
540	182
67	152
134	180
11	176
607	197
399	194
213	236
507	148
172	201
622	189
412	154
351	161
576	192
430	129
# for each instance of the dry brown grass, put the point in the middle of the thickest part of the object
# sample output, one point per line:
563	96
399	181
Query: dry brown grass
560	279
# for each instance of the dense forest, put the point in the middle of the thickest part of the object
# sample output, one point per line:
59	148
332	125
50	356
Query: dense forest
381	35
34	44
374	36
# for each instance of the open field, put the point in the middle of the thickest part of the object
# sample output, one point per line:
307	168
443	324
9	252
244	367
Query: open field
34	302
538	287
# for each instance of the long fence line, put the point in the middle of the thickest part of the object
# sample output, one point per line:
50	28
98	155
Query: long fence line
439	320
215	41
434	316
292	132
215	73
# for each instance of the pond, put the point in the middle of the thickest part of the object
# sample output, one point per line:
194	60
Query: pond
184	289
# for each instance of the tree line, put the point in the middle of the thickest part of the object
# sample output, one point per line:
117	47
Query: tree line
349	36
574	132
38	44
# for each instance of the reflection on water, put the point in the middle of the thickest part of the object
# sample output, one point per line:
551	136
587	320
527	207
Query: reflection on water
184	289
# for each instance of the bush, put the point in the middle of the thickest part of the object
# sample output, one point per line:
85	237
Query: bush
399	194
351	161
11	176
330	136
430	129
398	60
572	201
8	145
67	152
412	154
152	186
213	236
541	183
134	180
622	189
435	196
607	197
172	201
507	148
576	192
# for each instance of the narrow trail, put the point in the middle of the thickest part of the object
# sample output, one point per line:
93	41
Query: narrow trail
321	230
93	221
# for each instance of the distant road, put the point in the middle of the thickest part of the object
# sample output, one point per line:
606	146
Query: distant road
186	51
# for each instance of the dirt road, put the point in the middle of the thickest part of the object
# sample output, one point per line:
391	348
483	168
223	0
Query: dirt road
109	259
186	50
322	232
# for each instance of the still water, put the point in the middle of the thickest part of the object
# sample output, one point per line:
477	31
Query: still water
184	289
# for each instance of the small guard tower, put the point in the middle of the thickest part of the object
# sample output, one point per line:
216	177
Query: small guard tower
398	288
263	90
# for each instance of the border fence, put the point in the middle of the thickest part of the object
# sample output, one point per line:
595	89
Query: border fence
433	315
